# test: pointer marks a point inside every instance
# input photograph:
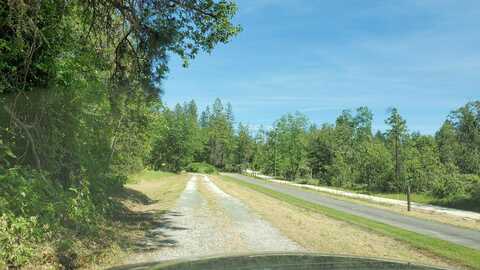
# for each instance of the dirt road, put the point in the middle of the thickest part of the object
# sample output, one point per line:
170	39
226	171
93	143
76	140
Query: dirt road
207	221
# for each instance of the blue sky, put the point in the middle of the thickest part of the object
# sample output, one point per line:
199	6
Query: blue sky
320	57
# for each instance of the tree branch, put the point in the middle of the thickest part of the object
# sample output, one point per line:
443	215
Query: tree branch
193	7
27	132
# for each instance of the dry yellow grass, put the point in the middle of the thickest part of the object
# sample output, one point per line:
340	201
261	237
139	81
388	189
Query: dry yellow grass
152	194
145	201
319	233
162	191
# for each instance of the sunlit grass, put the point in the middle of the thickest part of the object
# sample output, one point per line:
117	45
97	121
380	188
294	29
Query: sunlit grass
454	252
148	175
415	197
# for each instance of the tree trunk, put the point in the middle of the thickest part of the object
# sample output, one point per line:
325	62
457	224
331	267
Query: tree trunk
408	196
397	167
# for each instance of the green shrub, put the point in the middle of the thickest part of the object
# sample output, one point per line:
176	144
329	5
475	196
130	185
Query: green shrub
470	182
476	193
18	236
202	167
66	254
37	210
455	185
301	181
28	193
448	186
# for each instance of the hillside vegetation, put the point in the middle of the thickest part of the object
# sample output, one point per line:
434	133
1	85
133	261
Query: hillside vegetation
79	103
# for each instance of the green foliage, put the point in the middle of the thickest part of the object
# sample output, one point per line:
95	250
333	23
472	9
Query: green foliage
448	186
375	167
422	164
448	145
244	148
219	135
286	147
321	145
461	254
347	155
202	167
80	108
181	138
466	147
476	193
18	236
147	175
177	139
36	208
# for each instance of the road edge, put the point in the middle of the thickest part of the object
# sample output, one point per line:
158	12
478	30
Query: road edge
457	253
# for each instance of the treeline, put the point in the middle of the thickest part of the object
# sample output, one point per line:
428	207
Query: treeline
79	95
344	154
184	137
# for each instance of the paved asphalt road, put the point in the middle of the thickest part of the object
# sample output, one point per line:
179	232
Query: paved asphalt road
466	237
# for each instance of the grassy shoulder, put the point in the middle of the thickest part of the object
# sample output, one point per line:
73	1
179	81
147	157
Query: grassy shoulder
438	217
159	190
453	252
461	202
418	213
148	196
148	175
319	233
140	203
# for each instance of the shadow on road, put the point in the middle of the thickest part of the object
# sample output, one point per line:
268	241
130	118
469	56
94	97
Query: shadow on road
144	229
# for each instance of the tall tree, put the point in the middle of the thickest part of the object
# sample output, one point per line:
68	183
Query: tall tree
448	145
363	124
466	121
244	147
220	137
321	151
396	135
290	140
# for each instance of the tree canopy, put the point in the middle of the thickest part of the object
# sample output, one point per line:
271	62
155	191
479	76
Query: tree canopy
80	107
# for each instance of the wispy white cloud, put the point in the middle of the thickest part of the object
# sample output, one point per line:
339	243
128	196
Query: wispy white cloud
421	56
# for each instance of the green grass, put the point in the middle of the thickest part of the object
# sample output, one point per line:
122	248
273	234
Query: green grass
459	202
415	197
148	175
454	252
202	167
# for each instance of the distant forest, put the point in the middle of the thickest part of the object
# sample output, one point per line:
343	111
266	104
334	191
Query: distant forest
343	154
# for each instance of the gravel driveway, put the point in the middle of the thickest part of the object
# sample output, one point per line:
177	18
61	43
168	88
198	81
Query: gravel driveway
207	221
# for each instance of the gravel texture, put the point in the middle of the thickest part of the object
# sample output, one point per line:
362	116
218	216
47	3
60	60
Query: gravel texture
207	221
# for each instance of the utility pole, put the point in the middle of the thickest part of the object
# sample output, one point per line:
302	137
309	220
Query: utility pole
397	170
398	127
274	153
408	195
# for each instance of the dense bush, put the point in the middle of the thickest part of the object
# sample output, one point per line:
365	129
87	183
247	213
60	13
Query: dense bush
79	104
18	238
476	193
448	185
36	210
456	185
201	167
